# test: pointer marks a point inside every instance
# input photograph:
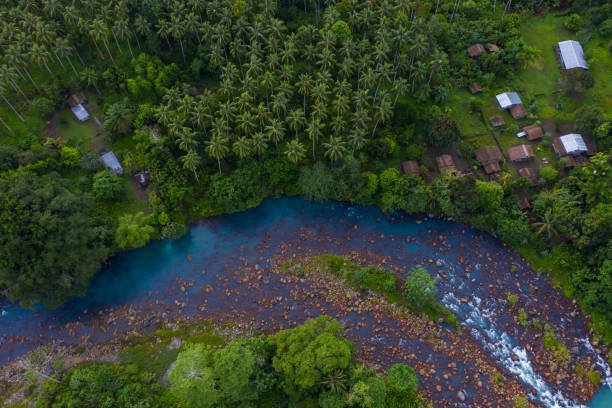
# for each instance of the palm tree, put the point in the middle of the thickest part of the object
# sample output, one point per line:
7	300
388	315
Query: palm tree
382	111
7	75
15	55
295	151
304	86
2	91
267	81
279	104
357	137
295	119
191	161
40	55
177	29
314	130
335	149
90	76
275	131
99	31
243	147
142	26
122	27
546	225
217	149
63	49
7	126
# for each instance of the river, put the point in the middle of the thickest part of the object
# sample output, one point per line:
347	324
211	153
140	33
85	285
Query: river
217	270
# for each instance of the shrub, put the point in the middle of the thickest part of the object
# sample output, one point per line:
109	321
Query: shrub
573	22
360	275
107	186
512	299
548	173
90	161
522	318
419	288
173	230
594	377
42	107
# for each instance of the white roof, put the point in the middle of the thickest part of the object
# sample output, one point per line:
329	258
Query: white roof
573	143
80	112
110	161
508	99
572	55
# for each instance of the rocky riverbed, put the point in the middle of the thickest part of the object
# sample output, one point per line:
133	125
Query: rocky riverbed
226	269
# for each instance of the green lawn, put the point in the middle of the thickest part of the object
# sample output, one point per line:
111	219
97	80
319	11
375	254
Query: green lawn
77	134
468	123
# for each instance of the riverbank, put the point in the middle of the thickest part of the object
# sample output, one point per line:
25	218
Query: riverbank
224	270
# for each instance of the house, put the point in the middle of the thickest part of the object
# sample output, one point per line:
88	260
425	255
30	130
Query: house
446	163
475	50
524	203
570	144
534	132
508	99
78	98
111	163
489	157
474	88
80	112
494	48
496	121
572	55
143	178
411	166
518	111
528	173
520	152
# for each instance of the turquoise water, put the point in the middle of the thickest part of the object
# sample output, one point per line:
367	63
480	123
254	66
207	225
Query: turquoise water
474	270
603	399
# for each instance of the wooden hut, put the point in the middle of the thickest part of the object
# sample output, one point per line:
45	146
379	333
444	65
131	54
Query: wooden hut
446	163
489	157
496	121
475	50
520	152
534	132
412	167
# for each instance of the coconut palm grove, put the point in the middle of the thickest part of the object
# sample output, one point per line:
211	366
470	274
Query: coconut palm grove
476	134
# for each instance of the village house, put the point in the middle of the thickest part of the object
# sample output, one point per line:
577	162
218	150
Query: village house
489	157
143	178
446	163
77	102
496	121
571	55
412	167
476	50
530	174
111	163
512	102
571	144
533	132
520	152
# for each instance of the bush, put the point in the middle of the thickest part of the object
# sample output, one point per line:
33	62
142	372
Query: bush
107	186
42	107
522	318
512	299
548	173
420	287
594	377
442	131
573	22
173	230
90	161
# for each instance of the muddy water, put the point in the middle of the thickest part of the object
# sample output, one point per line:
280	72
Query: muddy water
222	270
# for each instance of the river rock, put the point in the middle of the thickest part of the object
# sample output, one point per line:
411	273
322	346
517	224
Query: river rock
461	396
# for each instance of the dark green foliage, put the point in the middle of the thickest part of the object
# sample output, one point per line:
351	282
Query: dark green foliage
173	230
9	158
105	385
50	245
419	287
42	107
240	190
107	186
90	161
442	131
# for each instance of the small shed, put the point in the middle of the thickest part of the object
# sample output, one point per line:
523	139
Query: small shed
591	148
508	99
572	55
412	167
446	163
489	157
80	112
534	132
476	50
518	111
143	178
78	98
494	48
496	121
520	152
573	144
474	88
111	163
528	173
524	203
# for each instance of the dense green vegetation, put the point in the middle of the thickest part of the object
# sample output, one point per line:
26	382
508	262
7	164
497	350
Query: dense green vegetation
308	366
227	102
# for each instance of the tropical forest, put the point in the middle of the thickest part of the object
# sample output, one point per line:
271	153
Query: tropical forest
305	203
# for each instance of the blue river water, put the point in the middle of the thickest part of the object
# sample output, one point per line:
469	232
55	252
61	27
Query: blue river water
474	270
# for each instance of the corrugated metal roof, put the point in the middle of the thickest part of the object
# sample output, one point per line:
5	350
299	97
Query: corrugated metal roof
80	112
111	162
508	99
572	54
573	143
